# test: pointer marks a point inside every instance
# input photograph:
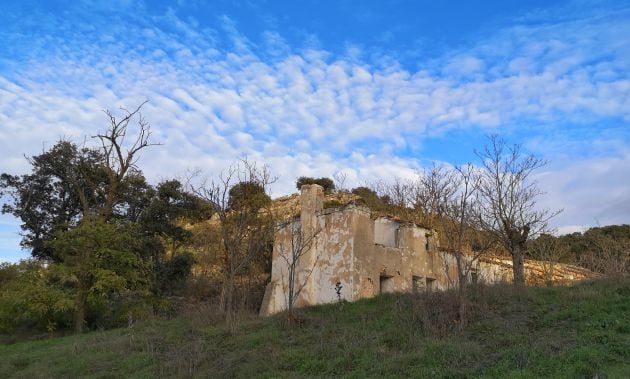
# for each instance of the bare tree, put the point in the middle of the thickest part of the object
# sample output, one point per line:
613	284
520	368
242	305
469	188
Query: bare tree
606	254
240	203
340	181
509	196
435	190
396	196
448	197
549	250
120	156
291	250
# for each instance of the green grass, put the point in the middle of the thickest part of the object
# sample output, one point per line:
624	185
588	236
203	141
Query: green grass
563	332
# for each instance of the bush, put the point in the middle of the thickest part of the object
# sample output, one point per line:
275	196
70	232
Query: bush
327	183
175	272
248	194
370	198
33	298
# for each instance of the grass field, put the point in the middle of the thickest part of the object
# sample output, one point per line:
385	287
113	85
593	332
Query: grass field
561	332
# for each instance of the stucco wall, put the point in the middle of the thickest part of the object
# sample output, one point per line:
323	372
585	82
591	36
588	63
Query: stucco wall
330	259
354	250
386	232
358	252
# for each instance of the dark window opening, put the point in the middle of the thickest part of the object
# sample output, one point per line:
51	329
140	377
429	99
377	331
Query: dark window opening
386	283
417	283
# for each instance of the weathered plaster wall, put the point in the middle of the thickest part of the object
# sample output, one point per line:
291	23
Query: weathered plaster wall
329	259
367	257
335	256
386	232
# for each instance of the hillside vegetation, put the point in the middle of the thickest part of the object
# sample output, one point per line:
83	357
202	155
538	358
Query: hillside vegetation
579	331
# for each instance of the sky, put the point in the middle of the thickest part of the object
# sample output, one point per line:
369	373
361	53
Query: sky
370	89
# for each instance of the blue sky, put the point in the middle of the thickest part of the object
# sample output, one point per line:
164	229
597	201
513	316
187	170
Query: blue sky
373	89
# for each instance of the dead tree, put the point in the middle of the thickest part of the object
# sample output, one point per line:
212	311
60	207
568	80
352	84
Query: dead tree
340	181
508	199
396	196
120	156
245	222
549	250
447	197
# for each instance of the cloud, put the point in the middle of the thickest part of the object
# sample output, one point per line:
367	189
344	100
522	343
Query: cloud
590	191
216	95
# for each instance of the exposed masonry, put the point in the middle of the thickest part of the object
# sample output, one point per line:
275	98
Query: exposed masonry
367	257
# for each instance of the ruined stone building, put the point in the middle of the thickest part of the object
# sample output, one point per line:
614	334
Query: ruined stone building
348	255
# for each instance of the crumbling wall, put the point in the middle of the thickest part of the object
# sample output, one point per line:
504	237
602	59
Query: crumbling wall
367	256
329	259
335	256
395	259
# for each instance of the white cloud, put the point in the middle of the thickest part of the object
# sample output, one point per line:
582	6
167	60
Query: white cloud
591	191
309	112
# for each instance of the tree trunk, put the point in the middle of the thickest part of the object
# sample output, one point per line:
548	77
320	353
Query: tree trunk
230	314
79	309
461	298
518	265
461	277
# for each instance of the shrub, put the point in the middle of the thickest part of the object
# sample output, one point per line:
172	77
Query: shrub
327	183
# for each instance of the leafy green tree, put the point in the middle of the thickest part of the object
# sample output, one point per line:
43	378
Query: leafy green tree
100	259
55	195
92	214
162	221
172	274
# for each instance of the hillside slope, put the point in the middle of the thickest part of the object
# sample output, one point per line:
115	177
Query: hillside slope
579	331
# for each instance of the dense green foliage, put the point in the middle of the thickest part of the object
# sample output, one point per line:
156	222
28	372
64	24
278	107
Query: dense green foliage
50	198
562	332
248	194
33	297
370	197
327	183
106	244
103	261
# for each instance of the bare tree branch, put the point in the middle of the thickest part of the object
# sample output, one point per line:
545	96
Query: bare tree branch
508	198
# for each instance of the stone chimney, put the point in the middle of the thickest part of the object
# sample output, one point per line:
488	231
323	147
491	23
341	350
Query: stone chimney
311	203
311	198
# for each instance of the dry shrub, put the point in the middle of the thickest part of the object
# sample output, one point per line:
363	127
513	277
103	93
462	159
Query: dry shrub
202	300
292	319
203	288
249	296
201	312
186	360
429	313
442	313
